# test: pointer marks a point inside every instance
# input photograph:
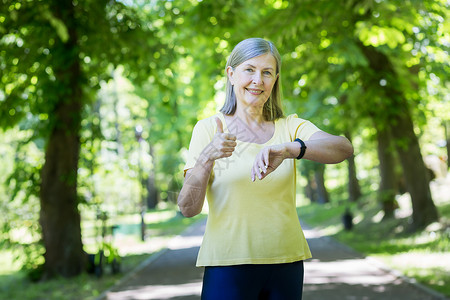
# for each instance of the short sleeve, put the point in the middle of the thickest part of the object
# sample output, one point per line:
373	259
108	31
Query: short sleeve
300	128
202	135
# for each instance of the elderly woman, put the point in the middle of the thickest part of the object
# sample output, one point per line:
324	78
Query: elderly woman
243	160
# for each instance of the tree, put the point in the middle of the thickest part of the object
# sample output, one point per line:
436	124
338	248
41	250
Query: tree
387	163
354	190
54	54
447	140
407	144
315	189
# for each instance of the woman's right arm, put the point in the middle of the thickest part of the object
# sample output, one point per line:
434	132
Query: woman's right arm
192	194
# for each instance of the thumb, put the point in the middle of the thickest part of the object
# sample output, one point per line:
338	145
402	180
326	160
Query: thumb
219	125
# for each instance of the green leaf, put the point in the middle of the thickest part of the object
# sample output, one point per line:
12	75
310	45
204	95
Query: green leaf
57	24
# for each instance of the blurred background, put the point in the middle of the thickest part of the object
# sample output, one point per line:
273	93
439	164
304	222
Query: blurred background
98	99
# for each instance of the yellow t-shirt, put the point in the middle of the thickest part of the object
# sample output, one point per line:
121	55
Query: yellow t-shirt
251	222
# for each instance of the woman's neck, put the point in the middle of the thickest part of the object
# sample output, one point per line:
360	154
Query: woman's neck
250	115
249	126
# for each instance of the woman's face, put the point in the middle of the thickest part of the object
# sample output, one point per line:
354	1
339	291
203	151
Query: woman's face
253	80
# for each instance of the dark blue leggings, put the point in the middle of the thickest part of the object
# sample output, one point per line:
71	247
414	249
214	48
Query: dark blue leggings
254	282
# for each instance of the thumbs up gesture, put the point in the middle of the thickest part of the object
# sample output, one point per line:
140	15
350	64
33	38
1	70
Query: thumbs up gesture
222	144
219	125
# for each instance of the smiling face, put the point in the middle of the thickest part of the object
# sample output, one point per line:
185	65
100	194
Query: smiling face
253	80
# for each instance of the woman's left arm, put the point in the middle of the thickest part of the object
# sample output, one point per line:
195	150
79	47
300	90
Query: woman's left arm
323	147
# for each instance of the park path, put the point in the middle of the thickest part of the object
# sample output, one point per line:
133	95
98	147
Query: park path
335	272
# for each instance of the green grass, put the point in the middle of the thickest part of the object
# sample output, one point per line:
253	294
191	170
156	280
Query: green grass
161	226
17	286
423	255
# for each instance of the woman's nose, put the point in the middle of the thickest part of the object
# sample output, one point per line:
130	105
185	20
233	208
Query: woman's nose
257	78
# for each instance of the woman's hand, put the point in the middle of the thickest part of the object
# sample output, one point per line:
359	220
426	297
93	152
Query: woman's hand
222	144
192	194
268	160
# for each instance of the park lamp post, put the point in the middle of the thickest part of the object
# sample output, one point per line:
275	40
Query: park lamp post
138	134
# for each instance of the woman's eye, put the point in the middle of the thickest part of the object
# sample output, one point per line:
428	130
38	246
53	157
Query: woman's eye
267	73
249	70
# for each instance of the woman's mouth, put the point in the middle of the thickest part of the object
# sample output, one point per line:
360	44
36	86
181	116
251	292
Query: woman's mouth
254	91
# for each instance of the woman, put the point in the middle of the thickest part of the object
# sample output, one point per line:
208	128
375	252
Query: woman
243	160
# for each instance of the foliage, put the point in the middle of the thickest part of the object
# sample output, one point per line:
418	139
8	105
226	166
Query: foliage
160	64
47	80
19	230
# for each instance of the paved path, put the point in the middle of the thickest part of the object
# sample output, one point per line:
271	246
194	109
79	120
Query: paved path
335	272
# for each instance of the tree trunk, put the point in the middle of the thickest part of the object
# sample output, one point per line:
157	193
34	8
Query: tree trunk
152	192
322	193
398	117
414	170
115	100
386	190
447	139
311	188
59	215
354	190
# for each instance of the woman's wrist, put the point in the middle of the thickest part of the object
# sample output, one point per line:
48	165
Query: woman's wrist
293	149
205	160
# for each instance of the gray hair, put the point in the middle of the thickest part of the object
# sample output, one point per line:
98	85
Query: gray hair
244	51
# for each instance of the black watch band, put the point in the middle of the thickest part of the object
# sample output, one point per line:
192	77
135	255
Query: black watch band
302	149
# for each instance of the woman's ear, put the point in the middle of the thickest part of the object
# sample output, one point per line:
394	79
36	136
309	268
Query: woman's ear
230	73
